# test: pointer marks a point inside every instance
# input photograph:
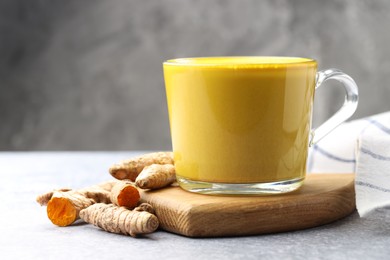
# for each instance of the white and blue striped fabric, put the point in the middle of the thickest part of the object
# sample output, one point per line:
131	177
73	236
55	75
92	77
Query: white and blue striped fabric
361	147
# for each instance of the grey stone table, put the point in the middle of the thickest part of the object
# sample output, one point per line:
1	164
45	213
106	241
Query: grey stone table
26	233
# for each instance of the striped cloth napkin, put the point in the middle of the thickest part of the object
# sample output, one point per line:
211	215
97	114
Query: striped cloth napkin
362	147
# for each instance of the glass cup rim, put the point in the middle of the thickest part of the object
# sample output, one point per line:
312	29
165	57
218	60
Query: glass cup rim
240	61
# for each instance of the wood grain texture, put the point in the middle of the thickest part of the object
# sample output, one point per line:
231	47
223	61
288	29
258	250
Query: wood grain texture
322	199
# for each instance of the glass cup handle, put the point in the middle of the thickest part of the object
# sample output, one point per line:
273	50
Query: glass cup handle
345	112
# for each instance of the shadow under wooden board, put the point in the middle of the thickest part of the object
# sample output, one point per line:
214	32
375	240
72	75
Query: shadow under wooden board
322	199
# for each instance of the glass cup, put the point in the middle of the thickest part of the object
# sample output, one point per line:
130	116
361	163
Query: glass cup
242	125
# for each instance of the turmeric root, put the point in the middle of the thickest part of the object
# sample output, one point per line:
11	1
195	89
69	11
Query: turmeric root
129	169
119	219
125	194
63	206
145	207
43	199
156	176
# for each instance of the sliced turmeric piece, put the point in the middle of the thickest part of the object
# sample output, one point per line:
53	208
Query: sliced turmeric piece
129	169
125	194
64	205
156	176
119	219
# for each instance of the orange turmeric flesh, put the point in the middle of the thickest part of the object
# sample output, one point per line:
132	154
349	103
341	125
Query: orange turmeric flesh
128	197
61	212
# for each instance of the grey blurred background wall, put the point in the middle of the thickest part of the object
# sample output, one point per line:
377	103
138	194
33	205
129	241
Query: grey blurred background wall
87	75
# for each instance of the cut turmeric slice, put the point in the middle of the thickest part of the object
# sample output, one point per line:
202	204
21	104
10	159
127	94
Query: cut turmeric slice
125	194
63	206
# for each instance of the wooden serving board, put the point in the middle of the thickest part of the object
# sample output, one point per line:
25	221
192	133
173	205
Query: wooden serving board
322	199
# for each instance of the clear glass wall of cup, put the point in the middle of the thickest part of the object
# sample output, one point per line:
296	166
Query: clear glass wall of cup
242	125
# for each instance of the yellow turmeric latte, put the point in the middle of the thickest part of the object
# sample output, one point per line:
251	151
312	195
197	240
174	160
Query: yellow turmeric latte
240	119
